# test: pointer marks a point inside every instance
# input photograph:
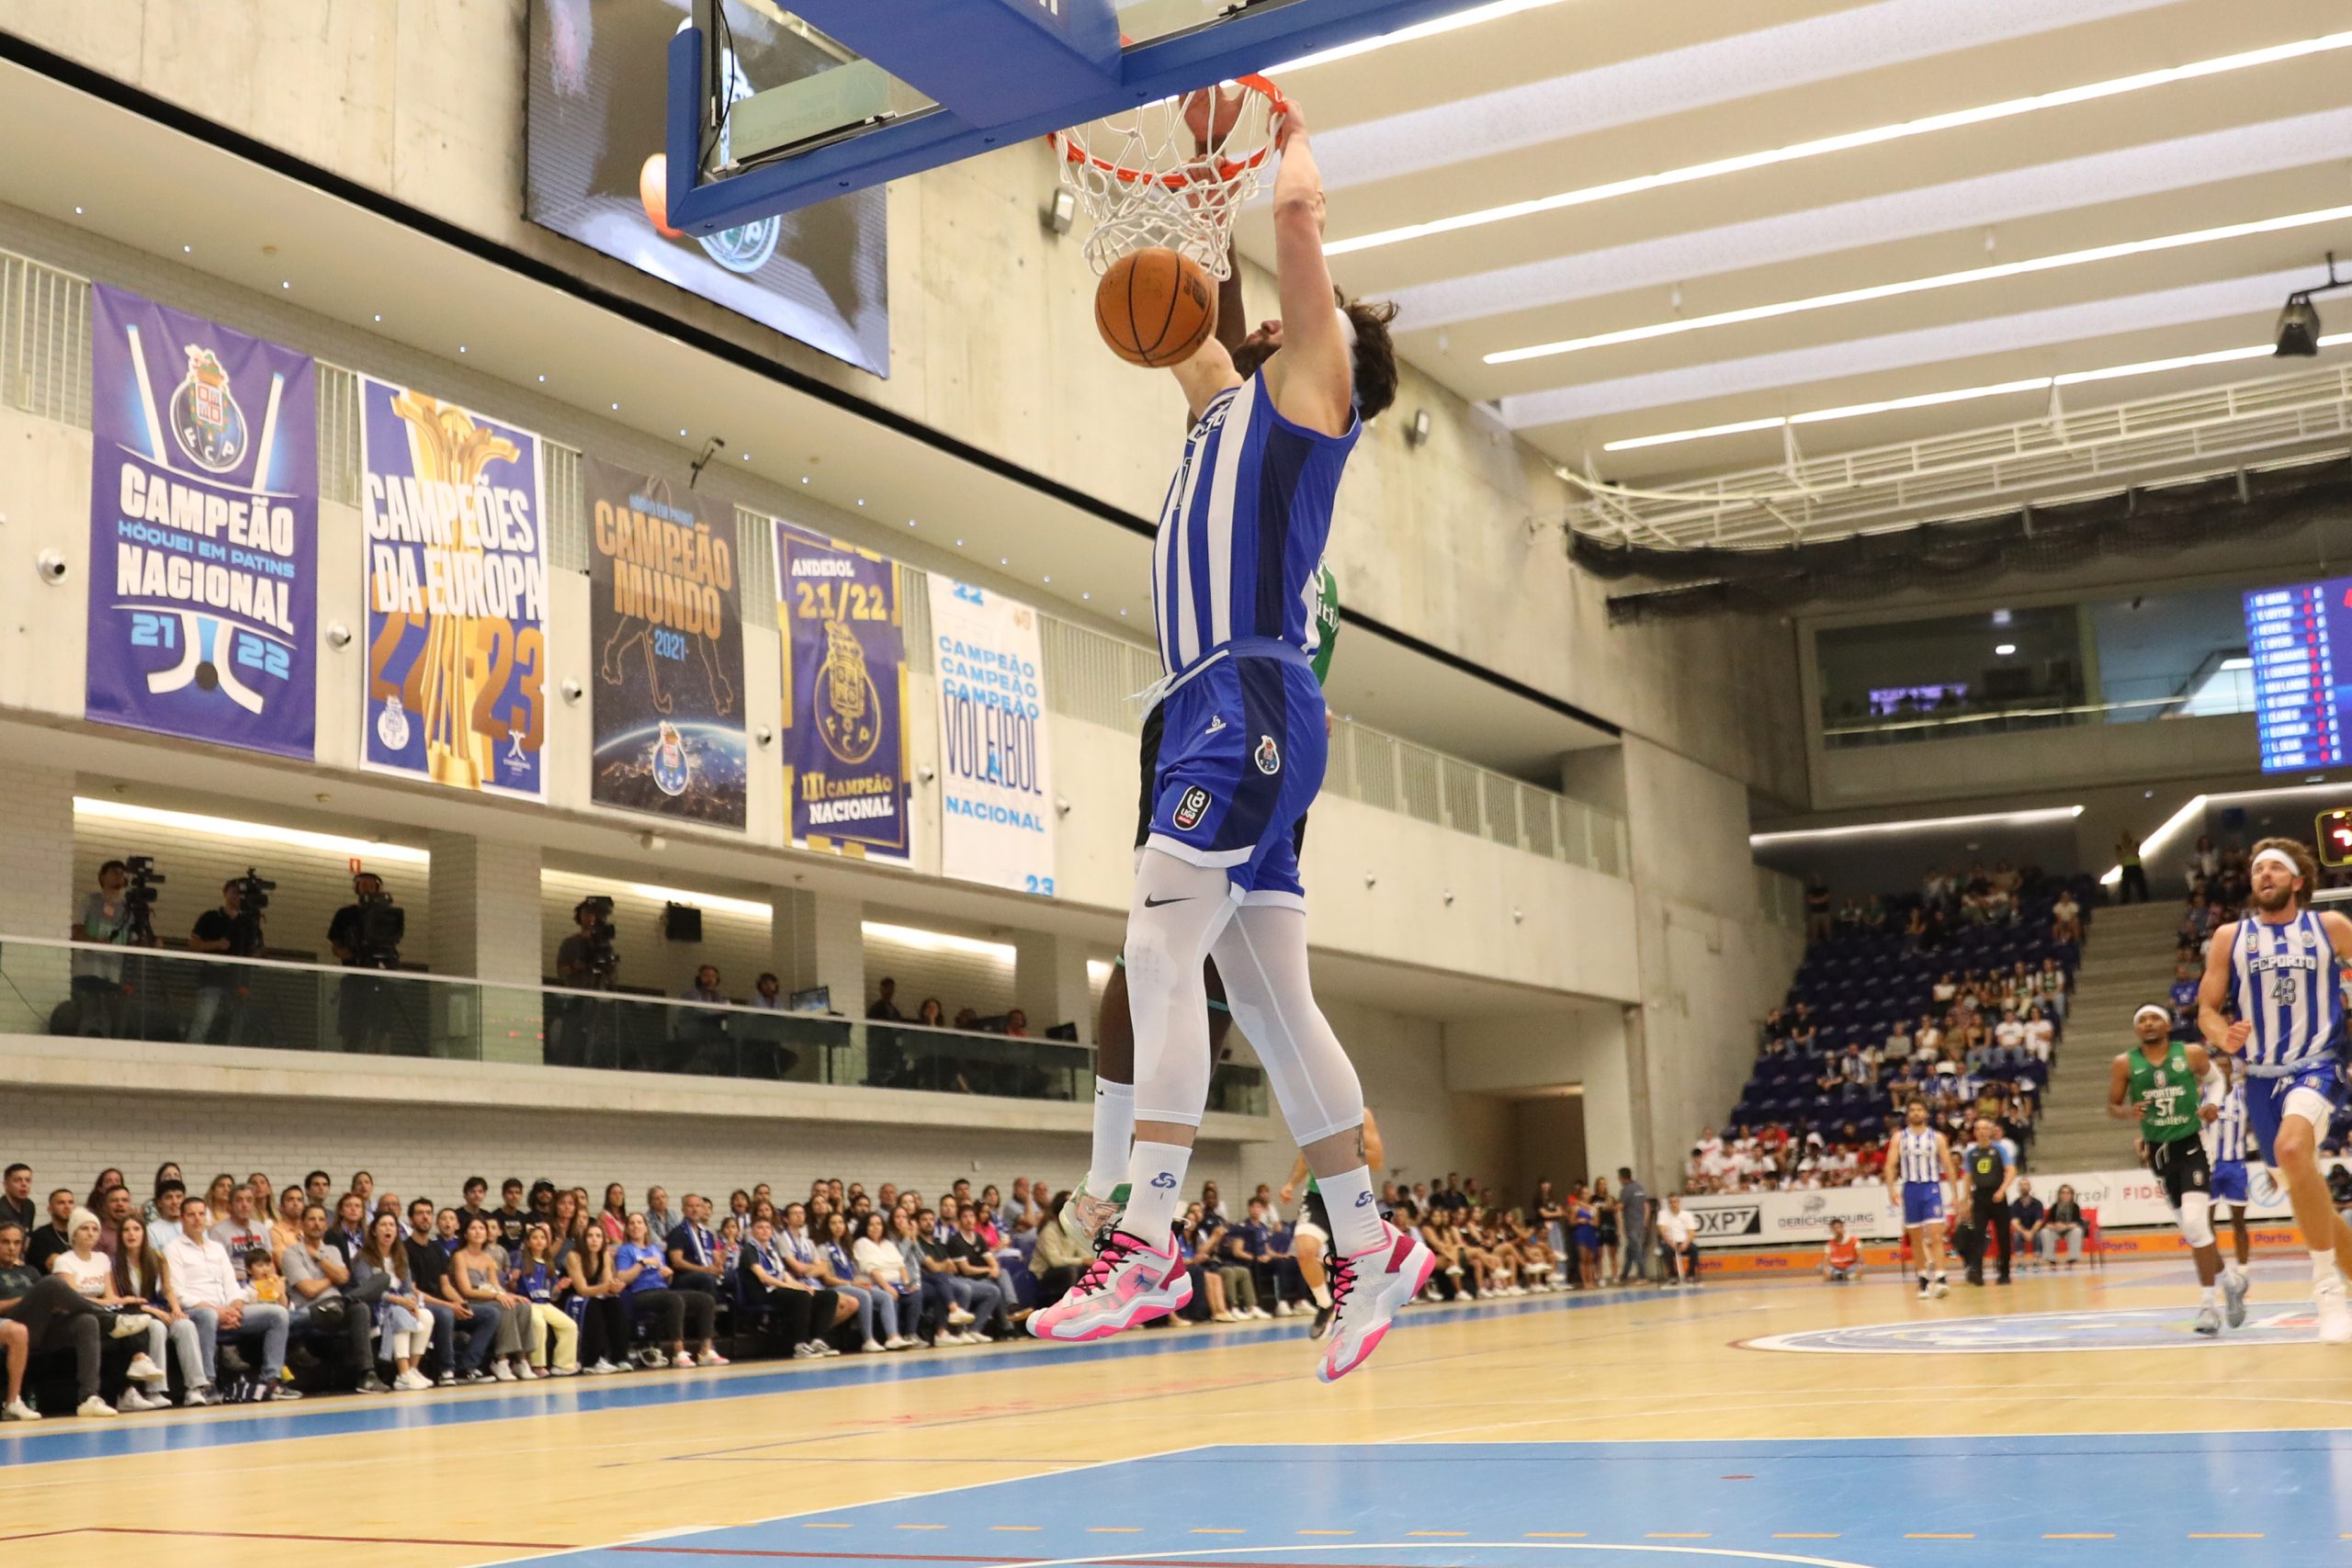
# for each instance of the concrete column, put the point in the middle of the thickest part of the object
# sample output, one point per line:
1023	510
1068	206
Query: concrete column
38	897
485	902
1049	983
820	940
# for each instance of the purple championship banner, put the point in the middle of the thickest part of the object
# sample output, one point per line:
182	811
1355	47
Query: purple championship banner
204	525
845	696
457	584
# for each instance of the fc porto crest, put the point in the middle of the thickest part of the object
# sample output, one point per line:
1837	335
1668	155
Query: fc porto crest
205	420
670	761
391	726
849	705
1268	756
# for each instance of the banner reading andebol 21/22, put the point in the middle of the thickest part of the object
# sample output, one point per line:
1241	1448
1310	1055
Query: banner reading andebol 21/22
457	582
845	696
204	527
666	623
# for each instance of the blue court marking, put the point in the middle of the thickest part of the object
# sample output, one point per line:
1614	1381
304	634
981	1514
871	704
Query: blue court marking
1999	1502
56	1440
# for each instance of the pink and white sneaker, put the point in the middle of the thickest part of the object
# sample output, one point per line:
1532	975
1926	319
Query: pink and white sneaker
1127	1284
1366	1291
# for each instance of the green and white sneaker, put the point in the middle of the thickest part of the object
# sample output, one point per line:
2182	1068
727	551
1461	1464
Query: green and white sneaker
1090	1218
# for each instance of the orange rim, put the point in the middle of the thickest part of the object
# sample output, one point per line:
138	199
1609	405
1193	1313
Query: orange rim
1225	170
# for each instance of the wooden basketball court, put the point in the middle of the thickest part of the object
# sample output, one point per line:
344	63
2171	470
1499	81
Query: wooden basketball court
1780	1421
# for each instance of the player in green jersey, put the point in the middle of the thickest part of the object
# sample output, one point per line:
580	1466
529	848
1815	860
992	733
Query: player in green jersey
2164	1087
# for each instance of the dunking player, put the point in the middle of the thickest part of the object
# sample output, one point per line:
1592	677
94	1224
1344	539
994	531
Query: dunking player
1918	1163
2159	1086
2224	1113
2280	969
1241	537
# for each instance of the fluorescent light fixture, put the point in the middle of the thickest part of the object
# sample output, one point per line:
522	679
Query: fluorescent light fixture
1965	394
1469	18
250	832
2005	649
1925	285
1918	825
572	881
2236	664
938	942
2007	108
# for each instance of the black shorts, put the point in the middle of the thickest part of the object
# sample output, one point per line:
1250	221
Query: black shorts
1155	727
1316	1212
2182	1167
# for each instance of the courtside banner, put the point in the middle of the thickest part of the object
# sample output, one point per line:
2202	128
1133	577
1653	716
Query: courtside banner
204	527
457	582
996	795
665	621
2122	1199
845	696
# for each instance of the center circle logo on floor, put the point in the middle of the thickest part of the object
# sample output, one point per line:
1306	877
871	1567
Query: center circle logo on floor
2127	1328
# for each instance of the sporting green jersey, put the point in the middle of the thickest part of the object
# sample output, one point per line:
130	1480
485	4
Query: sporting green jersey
2166	1094
1324	623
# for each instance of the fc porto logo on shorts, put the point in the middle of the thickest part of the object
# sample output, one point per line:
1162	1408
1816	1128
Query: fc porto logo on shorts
670	761
391	726
1191	808
1268	756
205	420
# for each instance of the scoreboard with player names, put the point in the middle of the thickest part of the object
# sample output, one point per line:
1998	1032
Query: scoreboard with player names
2292	634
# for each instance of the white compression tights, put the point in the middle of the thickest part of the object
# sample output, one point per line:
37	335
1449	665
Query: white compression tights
1177	913
1261	955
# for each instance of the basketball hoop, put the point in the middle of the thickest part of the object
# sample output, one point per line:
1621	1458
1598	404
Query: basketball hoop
1173	173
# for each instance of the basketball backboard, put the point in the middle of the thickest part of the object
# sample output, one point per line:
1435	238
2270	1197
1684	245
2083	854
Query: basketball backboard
771	110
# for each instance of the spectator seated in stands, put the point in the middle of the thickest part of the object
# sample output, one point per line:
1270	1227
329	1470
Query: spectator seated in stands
379	1276
881	1263
204	1274
55	1319
315	1275
697	1268
672	1316
2062	1229
1677	1237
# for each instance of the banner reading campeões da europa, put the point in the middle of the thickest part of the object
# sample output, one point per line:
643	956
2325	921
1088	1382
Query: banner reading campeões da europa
666	625
845	696
996	816
457	582
204	525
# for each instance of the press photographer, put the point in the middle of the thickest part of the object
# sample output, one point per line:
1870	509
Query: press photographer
587	960
365	934
233	931
121	914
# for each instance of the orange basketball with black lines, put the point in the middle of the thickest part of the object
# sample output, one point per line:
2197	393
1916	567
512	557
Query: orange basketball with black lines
1155	306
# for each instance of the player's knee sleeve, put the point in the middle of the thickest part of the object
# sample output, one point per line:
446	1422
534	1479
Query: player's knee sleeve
1263	957
2197	1219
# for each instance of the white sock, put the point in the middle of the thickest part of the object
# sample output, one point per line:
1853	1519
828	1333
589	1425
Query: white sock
1355	1214
1322	1294
1114	1128
2324	1274
2205	1295
1154	1190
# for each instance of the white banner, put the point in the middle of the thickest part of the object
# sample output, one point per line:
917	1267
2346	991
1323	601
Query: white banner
996	788
2124	1199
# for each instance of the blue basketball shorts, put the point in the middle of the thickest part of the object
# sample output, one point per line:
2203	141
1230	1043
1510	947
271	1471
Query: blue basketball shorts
2228	1181
1923	1203
2312	1091
1242	757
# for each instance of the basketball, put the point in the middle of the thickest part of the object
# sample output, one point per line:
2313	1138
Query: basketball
1155	306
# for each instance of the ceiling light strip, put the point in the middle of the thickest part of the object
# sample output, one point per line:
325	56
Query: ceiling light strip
247	832
1964	394
1822	146
1916	825
1472	17
1938	281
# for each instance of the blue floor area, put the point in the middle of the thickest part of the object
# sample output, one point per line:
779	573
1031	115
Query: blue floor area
2194	1499
56	1441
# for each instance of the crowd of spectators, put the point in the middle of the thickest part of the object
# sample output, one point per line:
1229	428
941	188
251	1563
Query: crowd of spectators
1956	995
248	1289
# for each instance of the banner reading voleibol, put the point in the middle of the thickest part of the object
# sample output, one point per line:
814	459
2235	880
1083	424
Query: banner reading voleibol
845	696
204	523
996	812
664	620
457	582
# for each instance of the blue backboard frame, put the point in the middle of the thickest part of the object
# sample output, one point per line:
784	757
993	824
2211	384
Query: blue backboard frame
1232	44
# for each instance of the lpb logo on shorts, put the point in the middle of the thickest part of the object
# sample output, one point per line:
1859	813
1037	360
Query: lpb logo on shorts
1191	808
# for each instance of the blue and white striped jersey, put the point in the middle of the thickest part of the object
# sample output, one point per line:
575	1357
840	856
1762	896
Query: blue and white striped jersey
2286	981
1916	1156
2228	1131
1242	530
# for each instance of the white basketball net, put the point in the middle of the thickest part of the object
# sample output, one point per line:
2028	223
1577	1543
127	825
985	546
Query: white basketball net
1147	177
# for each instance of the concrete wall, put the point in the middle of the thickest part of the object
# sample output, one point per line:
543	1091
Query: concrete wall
992	341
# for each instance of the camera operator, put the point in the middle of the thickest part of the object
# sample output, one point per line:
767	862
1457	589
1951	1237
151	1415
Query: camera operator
118	915
365	934
233	931
587	960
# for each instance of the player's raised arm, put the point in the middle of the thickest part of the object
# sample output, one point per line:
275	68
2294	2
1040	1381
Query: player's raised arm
2213	994
1312	381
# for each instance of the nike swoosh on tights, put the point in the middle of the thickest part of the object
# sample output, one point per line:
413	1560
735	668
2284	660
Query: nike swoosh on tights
1151	903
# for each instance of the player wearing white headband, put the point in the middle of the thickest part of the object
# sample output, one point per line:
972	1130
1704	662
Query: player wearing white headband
2273	996
2158	1086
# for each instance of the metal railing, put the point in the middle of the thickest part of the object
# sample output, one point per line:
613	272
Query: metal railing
97	991
44	371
